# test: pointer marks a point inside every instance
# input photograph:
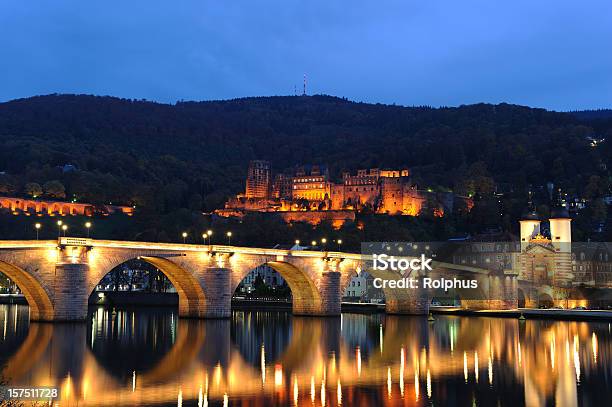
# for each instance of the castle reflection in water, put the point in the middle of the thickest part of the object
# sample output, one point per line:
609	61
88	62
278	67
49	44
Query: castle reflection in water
149	357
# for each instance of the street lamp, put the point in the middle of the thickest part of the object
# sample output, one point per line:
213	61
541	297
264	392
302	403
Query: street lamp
37	226
87	226
339	243
297	242
64	228
209	233
59	228
313	243
184	237
324	242
229	238
204	236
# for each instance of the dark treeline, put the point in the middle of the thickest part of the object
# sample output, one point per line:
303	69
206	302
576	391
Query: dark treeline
174	161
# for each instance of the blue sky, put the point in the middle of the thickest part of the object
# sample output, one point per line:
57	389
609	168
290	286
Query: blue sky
552	54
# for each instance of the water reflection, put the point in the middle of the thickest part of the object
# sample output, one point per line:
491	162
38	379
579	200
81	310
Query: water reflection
143	357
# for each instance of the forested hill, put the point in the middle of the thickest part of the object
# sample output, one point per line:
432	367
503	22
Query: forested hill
194	154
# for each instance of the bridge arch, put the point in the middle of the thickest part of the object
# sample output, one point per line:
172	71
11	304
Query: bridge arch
41	306
315	283
192	301
304	291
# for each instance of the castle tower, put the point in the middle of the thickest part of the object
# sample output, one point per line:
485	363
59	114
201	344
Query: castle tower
560	228
258	183
561	237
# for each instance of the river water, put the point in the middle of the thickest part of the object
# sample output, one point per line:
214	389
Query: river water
144	356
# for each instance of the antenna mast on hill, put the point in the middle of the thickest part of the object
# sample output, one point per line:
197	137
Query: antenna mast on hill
304	94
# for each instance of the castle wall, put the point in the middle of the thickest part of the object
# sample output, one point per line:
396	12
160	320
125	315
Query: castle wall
51	208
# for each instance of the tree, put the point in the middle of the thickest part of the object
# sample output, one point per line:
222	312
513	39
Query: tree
55	189
33	189
6	186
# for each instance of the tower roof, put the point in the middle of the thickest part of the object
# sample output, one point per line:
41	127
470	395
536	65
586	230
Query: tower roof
559	212
530	214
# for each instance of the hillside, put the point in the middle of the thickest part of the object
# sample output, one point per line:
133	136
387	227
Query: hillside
195	154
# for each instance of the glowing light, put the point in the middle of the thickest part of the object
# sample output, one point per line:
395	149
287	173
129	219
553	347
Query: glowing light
66	387
594	345
218	374
490	369
339	391
389	382
263	364
552	352
85	388
312	389
380	338
465	366
180	398
401	375
278	375
358	351
225	400
476	365
295	391
133	381
323	392
416	385
577	358
200	397
428	383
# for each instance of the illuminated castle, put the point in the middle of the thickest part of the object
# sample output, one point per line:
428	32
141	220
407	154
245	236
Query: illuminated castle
309	189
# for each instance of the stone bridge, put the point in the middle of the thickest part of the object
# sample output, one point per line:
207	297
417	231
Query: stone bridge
57	277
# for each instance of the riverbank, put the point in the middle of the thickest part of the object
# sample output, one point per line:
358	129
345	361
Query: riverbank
138	298
133	298
13	299
529	313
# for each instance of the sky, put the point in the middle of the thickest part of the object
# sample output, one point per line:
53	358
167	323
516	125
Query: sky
555	54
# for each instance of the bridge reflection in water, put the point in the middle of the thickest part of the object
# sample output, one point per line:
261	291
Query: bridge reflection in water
145	357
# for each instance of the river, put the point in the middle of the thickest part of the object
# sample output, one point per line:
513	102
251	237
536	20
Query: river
147	356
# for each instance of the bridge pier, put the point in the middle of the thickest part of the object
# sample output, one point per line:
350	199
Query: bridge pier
326	303
331	294
216	282
70	295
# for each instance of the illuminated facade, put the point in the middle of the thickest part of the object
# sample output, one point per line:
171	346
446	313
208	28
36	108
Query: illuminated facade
311	183
29	207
